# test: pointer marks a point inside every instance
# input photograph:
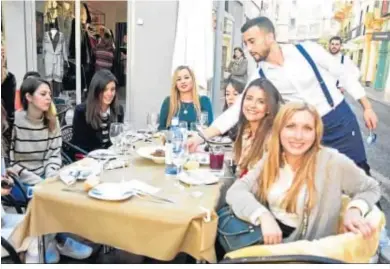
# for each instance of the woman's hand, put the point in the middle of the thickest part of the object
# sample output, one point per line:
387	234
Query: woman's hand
354	222
193	142
271	231
6	191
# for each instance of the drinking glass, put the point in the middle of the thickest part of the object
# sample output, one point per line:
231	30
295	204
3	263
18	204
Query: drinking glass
204	119
179	156
128	138
116	130
183	126
193	127
216	158
152	121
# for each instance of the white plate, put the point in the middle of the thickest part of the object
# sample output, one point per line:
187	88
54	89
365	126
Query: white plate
198	177
79	172
221	140
110	192
146	152
102	154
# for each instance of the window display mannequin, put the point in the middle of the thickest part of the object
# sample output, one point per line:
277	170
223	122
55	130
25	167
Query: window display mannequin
55	55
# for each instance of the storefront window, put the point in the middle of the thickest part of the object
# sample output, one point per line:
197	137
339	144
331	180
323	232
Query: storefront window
103	41
56	44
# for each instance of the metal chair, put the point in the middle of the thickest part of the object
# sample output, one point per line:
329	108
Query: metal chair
61	112
13	255
282	259
68	149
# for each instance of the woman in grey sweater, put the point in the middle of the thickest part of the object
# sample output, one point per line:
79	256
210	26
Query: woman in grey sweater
238	67
35	151
294	191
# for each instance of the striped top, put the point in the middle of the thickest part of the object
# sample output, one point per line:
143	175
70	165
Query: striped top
104	58
35	152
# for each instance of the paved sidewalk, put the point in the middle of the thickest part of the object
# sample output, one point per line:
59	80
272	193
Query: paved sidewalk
381	97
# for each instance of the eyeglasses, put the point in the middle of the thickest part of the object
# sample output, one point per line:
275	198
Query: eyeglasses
371	138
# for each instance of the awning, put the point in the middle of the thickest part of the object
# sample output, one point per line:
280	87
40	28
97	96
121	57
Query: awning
194	39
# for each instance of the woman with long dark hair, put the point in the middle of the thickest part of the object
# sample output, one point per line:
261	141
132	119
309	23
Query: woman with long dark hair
260	104
238	67
92	119
35	151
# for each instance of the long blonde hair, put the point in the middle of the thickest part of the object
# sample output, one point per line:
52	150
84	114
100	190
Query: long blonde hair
174	102
274	160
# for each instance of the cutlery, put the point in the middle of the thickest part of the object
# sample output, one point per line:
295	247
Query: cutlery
138	192
73	190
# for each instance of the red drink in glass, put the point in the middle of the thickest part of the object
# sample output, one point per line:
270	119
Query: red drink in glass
216	160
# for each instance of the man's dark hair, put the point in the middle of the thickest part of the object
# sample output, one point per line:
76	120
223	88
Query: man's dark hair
34	74
336	38
261	22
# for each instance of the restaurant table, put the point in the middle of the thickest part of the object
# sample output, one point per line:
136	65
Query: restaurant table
139	226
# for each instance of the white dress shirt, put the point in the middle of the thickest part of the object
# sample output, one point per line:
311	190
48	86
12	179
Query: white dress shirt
296	81
277	193
349	65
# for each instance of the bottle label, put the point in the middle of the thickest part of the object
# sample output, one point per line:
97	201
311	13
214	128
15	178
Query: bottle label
168	153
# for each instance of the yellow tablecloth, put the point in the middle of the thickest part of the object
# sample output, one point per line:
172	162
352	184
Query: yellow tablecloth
137	225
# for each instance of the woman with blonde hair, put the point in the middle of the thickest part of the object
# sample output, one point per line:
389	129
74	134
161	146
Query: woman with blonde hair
294	191
184	101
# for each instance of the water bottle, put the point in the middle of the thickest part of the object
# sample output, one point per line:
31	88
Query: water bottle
173	136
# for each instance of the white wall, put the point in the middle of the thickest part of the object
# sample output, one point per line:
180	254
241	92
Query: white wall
153	47
15	39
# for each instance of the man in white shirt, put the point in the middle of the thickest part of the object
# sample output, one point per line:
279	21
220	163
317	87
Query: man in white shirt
293	76
335	49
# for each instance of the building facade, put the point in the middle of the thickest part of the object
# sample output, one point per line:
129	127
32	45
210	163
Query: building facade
366	33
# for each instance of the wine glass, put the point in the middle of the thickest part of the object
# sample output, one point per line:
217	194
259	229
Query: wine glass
183	126
179	155
116	130
152	121
204	119
129	137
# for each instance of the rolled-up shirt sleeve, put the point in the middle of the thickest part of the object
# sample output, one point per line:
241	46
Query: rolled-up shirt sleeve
324	59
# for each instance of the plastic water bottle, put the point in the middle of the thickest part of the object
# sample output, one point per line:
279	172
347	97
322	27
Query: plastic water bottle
173	136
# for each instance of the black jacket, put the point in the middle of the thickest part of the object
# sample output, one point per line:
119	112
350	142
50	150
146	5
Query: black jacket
84	136
8	89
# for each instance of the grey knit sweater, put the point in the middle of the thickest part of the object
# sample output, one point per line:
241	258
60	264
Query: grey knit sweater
35	152
335	174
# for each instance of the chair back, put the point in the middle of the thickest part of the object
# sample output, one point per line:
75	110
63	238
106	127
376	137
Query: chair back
67	133
61	112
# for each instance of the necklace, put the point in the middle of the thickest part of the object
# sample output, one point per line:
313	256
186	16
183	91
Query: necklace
185	111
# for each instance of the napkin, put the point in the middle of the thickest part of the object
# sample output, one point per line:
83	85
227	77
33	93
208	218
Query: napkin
135	184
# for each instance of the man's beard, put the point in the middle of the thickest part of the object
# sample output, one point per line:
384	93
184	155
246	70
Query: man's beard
262	57
334	53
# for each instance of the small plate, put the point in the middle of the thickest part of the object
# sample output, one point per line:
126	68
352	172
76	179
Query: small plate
102	154
110	192
146	152
198	177
221	140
